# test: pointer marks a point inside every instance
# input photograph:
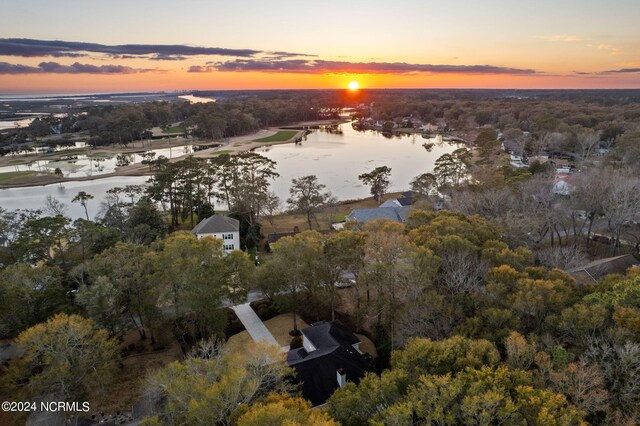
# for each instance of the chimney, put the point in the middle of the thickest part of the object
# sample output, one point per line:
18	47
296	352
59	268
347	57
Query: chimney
342	377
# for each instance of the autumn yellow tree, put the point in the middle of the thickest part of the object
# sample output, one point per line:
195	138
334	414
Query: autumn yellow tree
64	358
208	390
277	410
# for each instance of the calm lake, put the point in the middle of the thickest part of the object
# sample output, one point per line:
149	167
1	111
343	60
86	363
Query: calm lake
336	155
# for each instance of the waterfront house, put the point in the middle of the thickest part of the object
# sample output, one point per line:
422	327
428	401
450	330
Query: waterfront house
223	227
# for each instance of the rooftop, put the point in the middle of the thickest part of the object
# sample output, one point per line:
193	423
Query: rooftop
398	214
593	271
334	351
216	224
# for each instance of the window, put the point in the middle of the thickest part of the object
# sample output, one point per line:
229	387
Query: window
227	236
228	246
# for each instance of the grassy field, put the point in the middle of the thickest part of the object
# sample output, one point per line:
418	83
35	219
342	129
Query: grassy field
281	136
174	129
9	176
285	222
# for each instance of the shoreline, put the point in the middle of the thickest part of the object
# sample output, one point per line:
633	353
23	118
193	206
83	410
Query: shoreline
232	145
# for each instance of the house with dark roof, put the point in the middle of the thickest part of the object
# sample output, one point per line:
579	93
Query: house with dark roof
395	213
329	357
223	227
406	198
393	202
592	272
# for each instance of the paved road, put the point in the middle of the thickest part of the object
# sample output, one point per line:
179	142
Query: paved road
251	297
254	325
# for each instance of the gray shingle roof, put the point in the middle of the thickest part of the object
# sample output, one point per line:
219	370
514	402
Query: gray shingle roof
398	214
391	203
215	224
317	369
593	271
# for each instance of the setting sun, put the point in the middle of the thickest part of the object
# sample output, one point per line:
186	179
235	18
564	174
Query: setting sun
354	85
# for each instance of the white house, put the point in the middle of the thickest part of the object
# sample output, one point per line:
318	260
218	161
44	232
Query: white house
225	228
564	184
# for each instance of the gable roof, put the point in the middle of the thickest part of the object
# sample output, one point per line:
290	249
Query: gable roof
327	334
317	370
215	224
406	199
391	203
398	214
593	271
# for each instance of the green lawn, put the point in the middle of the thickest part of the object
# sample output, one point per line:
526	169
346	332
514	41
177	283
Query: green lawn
6	177
222	151
174	129
281	136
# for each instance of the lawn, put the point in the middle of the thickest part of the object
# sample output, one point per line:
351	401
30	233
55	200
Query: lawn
279	326
281	136
9	176
174	129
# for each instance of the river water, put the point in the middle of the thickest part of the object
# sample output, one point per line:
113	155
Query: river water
335	155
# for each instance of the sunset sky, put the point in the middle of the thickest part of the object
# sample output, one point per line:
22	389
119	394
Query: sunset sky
70	46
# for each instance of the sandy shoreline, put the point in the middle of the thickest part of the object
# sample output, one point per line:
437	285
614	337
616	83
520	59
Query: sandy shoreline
230	146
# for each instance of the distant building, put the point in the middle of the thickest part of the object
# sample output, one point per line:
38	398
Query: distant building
225	228
330	357
397	214
542	159
564	184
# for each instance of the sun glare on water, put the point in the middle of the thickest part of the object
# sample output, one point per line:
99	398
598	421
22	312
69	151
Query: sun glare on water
354	85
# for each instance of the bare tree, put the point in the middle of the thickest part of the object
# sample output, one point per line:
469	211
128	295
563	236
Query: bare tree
586	143
562	257
461	271
622	204
272	206
584	384
588	199
54	207
307	196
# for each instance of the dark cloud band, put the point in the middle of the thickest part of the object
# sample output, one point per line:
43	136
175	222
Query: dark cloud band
622	71
75	68
35	48
323	67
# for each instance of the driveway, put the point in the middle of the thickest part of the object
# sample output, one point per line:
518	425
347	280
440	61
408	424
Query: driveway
254	325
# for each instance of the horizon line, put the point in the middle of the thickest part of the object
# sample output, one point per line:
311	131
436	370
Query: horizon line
179	91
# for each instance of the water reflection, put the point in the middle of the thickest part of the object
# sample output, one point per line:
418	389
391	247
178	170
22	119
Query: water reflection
74	166
338	154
